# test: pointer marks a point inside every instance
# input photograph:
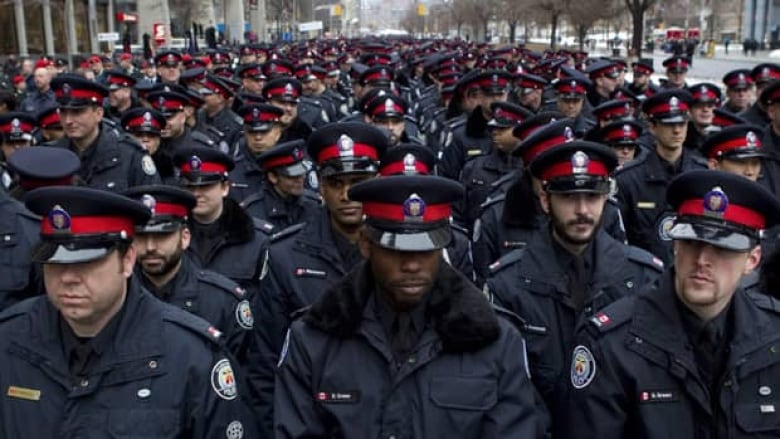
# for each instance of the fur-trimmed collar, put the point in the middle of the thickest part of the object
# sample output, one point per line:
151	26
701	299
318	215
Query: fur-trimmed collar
460	315
476	125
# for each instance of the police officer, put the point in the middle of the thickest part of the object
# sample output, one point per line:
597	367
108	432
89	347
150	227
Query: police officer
283	199
216	110
604	76
225	239
109	160
16	133
705	98
168	63
168	271
739	90
571	268
50	125
284	93
623	137
763	75
413	159
252	78
642	183
473	139
404	300
303	261
120	94
262	130
641	85
570	100
97	354
529	91
388	112
176	134
676	72
480	172
145	125
770	101
691	355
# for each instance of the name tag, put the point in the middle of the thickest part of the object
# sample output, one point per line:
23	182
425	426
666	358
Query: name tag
24	393
645	205
310	272
473	152
349	397
650	396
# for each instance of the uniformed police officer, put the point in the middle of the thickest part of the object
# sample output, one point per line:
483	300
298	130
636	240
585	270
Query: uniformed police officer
169	272
705	98
262	130
642	183
604	76
284	93
216	112
676	72
98	355
109	160
641	85
283	199
120	94
739	90
572	267
168	63
623	137
353	365
42	166
16	133
692	355
224	237
50	125
176	134
763	75
146	125
413	159
304	260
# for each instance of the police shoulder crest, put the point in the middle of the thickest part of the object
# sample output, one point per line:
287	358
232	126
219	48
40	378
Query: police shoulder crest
583	367
244	315
147	164
223	380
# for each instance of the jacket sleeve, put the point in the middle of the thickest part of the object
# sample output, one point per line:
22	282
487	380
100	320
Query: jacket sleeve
220	408
519	413
594	407
295	413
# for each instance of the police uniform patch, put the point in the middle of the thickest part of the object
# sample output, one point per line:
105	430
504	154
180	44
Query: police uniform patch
147	164
664	226
264	270
244	315
223	380
235	430
583	367
477	230
311	178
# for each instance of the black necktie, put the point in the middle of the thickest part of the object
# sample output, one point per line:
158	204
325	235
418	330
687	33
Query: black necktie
578	281
402	336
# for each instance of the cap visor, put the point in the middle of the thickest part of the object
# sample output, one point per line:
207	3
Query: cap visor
160	227
48	252
721	237
680	118
259	128
295	170
417	241
200	179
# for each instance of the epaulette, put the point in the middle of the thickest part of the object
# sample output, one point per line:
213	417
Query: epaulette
20	308
644	257
509	176
312	195
237	119
765	302
614	315
192	323
214	130
264	226
699	160
456	123
491	201
295	228
130	140
631	164
259	195
223	283
505	261
411	119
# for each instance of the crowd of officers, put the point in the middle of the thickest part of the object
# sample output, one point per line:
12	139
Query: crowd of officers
395	239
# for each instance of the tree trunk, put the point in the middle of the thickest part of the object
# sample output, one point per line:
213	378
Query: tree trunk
581	32
459	26
485	30
512	31
553	39
638	17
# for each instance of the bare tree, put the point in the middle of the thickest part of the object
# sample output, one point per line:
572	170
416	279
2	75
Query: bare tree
583	14
554	10
479	13
637	9
512	11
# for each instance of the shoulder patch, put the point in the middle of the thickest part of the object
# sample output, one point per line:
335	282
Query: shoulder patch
147	164
264	226
583	367
508	259
287	232
244	315
644	257
222	282
223	380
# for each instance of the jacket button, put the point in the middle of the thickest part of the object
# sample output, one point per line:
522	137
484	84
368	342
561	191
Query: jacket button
638	340
630	284
84	383
412	359
152	364
188	304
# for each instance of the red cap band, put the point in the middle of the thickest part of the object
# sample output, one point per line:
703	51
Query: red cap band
540	147
731	145
358	149
564	169
80	94
140	121
22	127
281	91
733	213
399	167
395	212
50	119
210	167
93	225
170	209
277	162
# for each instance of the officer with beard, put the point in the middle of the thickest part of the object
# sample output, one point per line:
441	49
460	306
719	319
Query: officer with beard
572	267
170	273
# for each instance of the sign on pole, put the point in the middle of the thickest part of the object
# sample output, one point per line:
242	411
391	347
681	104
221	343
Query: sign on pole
110	37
